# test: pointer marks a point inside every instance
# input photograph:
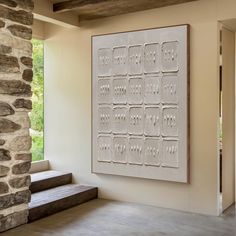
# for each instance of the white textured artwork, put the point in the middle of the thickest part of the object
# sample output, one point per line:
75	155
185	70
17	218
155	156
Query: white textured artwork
140	102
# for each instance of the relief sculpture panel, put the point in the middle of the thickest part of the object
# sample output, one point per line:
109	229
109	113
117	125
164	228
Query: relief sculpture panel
152	91
120	61
104	62
152	58
169	56
120	148
153	152
140	91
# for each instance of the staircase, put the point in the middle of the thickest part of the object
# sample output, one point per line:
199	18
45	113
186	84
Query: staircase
53	191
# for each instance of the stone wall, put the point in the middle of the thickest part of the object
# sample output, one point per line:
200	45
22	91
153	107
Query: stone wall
16	19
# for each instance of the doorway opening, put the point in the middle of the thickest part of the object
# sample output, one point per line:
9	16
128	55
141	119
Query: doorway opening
37	113
227	118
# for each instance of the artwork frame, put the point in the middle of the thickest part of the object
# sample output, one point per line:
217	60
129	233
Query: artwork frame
171	69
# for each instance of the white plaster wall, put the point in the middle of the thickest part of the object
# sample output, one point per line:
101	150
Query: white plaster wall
68	106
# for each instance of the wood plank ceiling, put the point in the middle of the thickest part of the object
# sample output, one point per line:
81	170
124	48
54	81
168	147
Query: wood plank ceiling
93	9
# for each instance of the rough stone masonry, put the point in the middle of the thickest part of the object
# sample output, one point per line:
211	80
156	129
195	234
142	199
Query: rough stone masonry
16	19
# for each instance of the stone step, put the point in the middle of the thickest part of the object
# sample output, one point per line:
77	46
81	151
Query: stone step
53	200
49	179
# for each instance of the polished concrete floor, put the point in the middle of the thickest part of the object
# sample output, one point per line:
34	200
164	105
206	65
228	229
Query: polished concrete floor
109	218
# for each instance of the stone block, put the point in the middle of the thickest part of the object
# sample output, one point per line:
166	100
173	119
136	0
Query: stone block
20	143
21	103
15	87
7	126
24	157
4	188
4	170
9	64
21	168
23	120
13	220
27	61
20	182
20	31
5	49
6	109
27	75
14	199
4	155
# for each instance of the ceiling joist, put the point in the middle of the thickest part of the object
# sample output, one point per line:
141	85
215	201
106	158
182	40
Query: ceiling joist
73	4
92	9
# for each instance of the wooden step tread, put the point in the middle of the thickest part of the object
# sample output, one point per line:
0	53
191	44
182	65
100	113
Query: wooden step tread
49	179
57	193
53	200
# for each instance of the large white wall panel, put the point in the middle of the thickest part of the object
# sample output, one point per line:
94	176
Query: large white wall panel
140	103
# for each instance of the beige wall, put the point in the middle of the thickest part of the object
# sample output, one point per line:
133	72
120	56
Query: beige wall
68	106
38	29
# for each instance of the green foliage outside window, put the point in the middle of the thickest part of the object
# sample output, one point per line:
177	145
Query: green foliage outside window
37	113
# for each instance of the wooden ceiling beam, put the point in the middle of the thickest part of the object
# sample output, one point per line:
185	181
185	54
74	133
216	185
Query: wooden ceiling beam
94	9
73	4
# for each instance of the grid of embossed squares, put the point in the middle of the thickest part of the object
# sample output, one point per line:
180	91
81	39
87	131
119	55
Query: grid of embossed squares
148	151
136	99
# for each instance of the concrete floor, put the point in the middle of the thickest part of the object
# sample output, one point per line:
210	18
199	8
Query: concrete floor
109	218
